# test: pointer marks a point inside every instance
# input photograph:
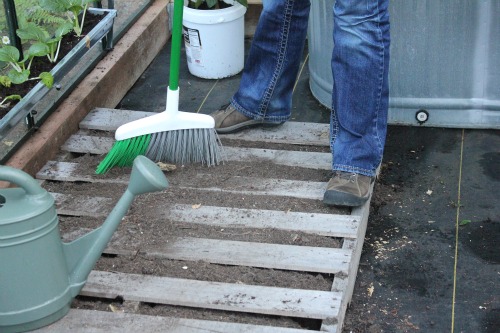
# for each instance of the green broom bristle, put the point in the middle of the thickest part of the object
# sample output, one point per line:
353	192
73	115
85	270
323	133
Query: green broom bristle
124	152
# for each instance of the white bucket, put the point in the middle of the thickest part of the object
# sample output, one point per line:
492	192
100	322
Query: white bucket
215	41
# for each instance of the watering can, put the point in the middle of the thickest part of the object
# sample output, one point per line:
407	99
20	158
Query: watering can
39	274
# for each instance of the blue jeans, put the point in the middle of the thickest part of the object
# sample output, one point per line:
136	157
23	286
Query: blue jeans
360	66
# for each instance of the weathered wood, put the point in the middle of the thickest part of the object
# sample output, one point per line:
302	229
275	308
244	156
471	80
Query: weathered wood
101	145
225	252
67	171
311	134
87	321
345	284
105	119
310	160
82	205
263	186
276	256
84	144
331	225
214	295
300	133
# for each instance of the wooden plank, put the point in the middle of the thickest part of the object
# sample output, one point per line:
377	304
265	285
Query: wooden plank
262	186
311	160
224	252
312	134
105	119
67	171
87	321
345	284
332	225
84	144
276	256
214	295
101	145
79	205
300	133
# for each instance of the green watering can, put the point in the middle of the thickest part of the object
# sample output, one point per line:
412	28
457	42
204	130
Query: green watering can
39	274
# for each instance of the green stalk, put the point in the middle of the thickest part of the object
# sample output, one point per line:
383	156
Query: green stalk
175	52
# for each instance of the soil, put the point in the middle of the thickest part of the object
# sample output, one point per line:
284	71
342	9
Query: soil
41	64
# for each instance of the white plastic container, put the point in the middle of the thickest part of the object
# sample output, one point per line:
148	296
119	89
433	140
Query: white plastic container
215	41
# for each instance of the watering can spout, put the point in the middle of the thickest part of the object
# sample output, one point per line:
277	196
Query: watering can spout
82	254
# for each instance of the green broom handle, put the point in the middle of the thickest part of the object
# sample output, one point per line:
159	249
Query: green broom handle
175	52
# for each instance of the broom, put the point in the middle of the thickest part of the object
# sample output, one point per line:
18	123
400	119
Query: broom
172	135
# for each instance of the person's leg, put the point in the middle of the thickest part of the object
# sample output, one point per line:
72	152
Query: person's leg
265	91
360	66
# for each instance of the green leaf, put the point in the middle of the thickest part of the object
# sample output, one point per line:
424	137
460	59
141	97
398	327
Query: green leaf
12	97
464	222
33	32
63	30
47	79
211	3
243	2
18	78
38	50
55	5
9	54
5	81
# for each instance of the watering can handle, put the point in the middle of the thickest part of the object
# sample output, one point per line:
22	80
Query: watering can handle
22	179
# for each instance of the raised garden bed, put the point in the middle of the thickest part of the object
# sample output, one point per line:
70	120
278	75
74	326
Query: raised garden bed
37	104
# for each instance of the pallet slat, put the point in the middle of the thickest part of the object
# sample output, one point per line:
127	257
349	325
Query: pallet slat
101	145
331	225
275	256
214	295
80	205
68	171
87	321
225	252
105	119
312	134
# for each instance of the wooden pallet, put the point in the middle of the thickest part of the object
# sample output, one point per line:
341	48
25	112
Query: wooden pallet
327	306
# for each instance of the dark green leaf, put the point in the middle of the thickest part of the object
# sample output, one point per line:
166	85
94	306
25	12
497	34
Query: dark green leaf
465	222
9	54
18	78
38	50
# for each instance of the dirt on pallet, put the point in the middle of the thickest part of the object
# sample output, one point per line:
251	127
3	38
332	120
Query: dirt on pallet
145	227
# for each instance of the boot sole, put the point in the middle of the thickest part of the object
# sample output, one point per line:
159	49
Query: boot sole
245	125
332	198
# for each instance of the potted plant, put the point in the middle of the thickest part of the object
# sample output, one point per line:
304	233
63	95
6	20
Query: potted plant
214	36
